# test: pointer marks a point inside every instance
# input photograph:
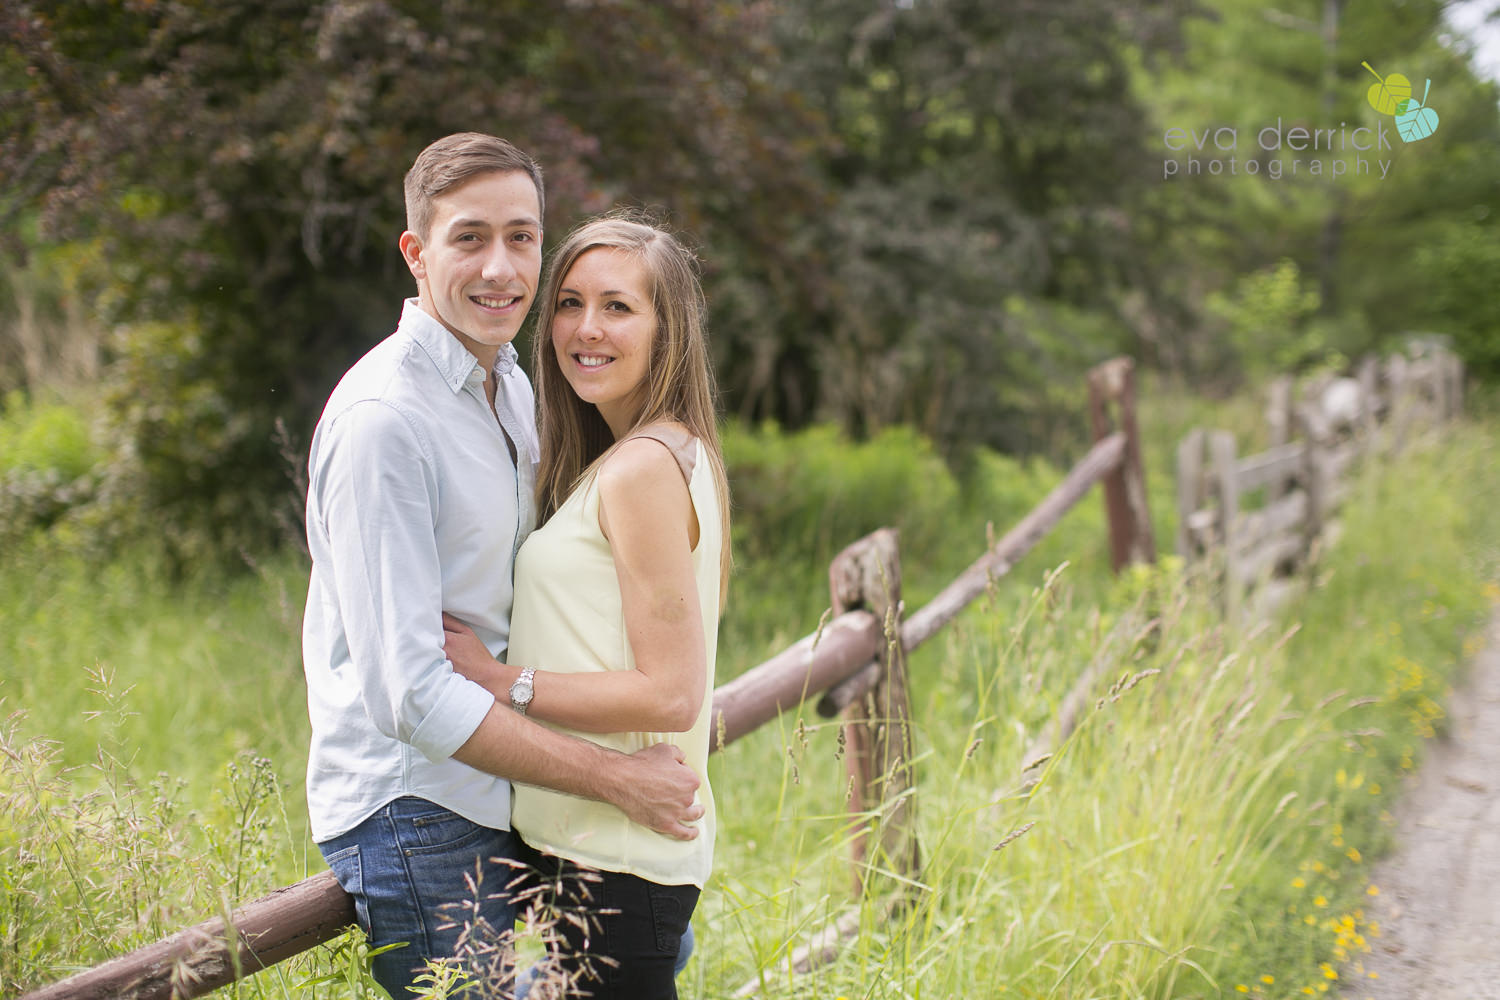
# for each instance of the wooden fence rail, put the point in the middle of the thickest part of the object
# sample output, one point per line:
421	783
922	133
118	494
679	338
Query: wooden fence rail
1260	517
854	664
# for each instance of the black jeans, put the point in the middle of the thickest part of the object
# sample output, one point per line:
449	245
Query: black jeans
619	934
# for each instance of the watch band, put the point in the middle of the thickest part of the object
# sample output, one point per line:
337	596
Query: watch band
522	690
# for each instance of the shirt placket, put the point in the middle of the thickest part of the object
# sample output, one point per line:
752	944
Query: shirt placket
505	424
525	473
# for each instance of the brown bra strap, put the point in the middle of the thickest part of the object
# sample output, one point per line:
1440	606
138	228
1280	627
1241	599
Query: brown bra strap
682	445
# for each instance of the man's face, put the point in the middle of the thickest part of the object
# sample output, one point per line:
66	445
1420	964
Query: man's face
477	269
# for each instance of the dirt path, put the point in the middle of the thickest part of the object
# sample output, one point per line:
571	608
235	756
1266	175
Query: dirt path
1439	903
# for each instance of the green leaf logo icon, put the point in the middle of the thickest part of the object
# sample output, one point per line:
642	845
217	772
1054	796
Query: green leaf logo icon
1389	94
1416	121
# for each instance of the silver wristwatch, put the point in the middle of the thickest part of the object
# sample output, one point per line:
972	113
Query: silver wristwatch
521	691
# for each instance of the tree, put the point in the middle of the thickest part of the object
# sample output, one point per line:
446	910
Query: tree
990	154
241	163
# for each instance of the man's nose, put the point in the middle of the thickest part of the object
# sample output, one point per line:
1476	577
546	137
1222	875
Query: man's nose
498	266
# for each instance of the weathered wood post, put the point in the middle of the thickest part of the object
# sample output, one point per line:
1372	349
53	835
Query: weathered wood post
1398	400
1369	403
1226	484
1279	411
877	727
1317	475
1130	534
1455	370
1189	492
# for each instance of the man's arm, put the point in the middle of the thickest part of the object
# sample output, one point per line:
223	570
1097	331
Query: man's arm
654	787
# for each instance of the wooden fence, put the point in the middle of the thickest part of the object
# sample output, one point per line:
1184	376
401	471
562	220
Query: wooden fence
855	665
1260	518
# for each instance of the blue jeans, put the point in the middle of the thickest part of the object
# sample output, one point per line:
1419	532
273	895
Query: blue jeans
405	867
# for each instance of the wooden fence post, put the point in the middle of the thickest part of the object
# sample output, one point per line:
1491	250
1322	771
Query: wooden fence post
1189	492
1369	403
1225	466
1398	400
1130	534
877	727
1456	392
1279	411
1317	474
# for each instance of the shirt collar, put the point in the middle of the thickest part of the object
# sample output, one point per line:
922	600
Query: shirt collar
452	359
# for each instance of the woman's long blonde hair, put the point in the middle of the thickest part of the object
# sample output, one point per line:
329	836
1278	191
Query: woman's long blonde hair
679	379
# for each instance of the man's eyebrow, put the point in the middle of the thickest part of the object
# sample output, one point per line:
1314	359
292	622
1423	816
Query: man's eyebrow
520	222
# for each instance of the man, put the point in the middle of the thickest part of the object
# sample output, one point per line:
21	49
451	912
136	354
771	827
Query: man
419	496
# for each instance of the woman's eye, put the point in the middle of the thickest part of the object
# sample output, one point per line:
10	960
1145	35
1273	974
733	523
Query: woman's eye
617	306
567	302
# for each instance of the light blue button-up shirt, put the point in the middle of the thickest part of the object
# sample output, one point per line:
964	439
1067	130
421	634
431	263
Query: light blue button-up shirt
414	507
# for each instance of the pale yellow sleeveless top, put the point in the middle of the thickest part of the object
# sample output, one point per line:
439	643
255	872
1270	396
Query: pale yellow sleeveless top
567	617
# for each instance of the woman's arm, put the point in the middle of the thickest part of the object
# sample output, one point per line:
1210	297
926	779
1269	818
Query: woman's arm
647	515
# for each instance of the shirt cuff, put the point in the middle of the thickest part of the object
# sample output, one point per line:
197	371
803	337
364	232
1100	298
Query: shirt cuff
457	714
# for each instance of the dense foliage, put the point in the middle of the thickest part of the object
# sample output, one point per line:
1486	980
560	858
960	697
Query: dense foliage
932	213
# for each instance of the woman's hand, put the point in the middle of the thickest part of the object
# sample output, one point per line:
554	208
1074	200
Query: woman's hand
471	659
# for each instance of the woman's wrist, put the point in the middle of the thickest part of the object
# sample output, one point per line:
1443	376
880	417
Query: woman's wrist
505	675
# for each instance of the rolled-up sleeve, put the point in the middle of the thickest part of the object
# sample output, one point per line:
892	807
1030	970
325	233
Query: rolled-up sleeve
377	496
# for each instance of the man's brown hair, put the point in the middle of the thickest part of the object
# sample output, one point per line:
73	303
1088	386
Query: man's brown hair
454	159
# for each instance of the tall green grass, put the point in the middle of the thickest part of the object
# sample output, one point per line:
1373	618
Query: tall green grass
1223	790
1205	832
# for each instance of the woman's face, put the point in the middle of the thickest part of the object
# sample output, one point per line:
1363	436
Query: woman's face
602	330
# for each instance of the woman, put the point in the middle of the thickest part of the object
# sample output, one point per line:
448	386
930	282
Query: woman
618	592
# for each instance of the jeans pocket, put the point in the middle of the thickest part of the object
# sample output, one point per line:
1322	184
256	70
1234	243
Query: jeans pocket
441	830
671	907
346	867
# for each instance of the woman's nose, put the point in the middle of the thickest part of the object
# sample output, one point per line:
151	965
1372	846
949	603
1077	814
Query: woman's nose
589	327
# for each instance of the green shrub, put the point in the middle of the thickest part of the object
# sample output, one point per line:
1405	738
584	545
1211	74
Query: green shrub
1457	281
45	437
804	495
50	464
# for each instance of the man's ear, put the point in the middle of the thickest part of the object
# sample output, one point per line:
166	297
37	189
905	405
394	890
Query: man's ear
411	250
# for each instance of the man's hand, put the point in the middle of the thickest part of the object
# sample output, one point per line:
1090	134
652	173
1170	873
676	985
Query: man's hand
656	789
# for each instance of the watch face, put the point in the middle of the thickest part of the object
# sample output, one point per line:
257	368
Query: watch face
520	693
